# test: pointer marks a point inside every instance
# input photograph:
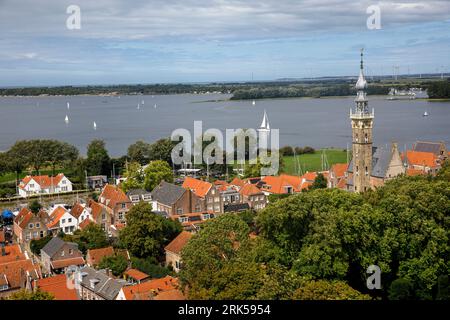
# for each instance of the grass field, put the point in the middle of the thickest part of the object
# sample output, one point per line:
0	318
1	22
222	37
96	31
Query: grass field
313	162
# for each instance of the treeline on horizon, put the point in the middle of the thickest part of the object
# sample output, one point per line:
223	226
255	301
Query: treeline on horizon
439	90
243	90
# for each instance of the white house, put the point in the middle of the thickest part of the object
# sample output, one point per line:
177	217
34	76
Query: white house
81	212
31	185
62	220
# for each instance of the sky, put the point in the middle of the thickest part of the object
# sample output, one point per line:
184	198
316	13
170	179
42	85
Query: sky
166	41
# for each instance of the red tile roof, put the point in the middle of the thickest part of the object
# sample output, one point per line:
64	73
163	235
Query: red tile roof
136	274
55	217
77	210
83	224
415	172
2	235
113	195
199	187
57	286
342	184
77	261
15	272
339	169
427	159
177	244
12	253
23	217
96	255
238	182
44	181
249	189
96	209
151	289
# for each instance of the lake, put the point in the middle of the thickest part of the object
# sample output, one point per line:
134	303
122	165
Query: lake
302	121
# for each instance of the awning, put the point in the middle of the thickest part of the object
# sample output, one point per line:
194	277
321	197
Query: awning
7	214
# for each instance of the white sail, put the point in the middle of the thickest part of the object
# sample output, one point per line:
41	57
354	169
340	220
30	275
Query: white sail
265	121
142	102
95	126
154	106
254	102
66	119
138	106
68	106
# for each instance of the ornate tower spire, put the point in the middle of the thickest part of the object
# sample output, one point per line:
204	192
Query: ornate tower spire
362	124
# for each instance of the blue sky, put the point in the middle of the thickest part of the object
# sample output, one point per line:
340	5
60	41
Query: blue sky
160	41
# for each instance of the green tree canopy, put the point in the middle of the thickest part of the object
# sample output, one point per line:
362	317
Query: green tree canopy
30	295
117	264
156	172
98	161
146	233
139	152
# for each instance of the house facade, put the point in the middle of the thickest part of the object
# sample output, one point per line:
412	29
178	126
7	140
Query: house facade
208	195
57	255
173	250
29	226
97	284
116	202
62	220
173	199
32	185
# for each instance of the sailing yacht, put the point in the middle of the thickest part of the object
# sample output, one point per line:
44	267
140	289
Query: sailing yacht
68	106
142	102
425	114
253	102
66	119
138	106
154	106
95	126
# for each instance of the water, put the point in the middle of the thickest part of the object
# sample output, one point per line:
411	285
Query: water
304	121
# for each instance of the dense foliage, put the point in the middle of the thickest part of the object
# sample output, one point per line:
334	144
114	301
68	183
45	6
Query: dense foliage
439	90
30	295
146	233
91	237
117	264
151	267
321	243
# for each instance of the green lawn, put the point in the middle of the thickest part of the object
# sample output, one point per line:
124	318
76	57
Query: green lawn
313	162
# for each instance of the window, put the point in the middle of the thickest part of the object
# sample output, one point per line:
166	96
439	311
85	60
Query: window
356	137
367	171
124	205
64	189
35	234
177	264
366	138
30	226
197	208
41	234
217	199
64	182
179	210
183	219
210	199
38	225
63	220
70	220
82	218
31	185
103	216
120	215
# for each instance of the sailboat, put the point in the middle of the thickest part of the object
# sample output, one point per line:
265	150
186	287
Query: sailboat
253	102
68	106
142	102
66	119
95	126
154	106
138	107
425	114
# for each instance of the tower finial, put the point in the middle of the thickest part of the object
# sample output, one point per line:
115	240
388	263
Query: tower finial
362	65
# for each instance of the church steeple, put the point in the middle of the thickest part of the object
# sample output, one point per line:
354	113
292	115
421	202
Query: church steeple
362	124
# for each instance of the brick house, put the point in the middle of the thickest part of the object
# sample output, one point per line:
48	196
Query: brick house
100	215
173	250
173	199
255	198
338	171
208	194
116	202
57	255
29	226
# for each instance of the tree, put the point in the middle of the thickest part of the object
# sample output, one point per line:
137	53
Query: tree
156	172
91	237
30	295
37	245
117	264
151	267
98	161
146	233
59	153
162	150
328	290
16	158
139	152
320	182
135	177
287	151
35	206
401	289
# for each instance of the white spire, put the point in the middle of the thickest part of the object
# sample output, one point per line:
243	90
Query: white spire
361	84
265	122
